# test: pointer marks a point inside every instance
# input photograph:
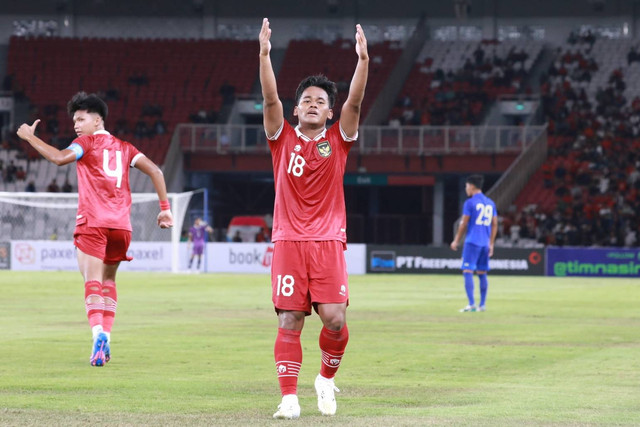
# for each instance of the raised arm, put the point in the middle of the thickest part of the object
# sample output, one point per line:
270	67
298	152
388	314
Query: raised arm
350	116
144	164
272	107
49	152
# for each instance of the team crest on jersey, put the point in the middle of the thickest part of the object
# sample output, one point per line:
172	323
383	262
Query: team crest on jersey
324	148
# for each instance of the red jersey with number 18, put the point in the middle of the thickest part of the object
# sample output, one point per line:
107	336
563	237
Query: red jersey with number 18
308	174
104	196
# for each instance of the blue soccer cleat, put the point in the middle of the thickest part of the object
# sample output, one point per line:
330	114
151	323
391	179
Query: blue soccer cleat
107	352
98	354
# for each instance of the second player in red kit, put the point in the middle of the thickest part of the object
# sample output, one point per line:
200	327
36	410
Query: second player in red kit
103	225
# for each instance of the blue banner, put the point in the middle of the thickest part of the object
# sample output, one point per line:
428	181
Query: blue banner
442	260
612	262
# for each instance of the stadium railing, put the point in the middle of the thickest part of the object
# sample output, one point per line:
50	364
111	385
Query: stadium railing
418	140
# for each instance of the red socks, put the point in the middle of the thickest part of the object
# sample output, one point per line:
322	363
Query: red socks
94	302
110	303
332	345
288	355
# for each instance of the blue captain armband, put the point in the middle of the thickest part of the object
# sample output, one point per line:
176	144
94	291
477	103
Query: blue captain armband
76	148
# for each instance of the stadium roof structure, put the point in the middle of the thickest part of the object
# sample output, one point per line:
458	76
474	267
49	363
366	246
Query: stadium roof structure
324	9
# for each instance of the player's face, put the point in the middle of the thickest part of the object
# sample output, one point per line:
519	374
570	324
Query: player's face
313	107
468	188
86	123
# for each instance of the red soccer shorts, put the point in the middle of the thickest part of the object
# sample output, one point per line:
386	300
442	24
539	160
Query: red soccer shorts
304	274
108	244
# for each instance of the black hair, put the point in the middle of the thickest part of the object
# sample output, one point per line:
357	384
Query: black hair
476	180
89	102
321	81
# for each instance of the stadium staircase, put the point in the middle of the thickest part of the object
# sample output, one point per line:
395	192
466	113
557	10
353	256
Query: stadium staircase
516	180
540	67
383	103
535	194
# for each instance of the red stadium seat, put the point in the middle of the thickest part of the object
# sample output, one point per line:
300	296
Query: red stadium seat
51	70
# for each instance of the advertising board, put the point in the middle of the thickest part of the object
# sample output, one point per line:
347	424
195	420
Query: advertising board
439	260
593	262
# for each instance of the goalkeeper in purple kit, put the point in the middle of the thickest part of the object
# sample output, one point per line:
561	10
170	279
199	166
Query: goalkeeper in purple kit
197	238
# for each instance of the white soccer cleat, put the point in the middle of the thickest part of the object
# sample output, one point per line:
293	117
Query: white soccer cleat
289	408
326	395
469	308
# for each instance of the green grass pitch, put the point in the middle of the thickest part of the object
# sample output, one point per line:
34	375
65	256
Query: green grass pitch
198	350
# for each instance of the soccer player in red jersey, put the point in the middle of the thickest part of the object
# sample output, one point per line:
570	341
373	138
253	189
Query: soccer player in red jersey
103	225
309	222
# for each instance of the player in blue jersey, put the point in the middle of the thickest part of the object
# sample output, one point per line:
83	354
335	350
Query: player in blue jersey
480	223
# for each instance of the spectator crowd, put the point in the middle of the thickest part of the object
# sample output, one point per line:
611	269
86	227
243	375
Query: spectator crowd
593	165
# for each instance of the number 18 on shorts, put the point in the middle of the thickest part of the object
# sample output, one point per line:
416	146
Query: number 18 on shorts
305	273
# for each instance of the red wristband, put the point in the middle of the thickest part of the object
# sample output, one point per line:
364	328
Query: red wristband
165	205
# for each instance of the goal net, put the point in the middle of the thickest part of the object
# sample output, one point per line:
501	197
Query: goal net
51	216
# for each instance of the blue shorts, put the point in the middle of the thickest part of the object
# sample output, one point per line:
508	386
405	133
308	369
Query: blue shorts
475	257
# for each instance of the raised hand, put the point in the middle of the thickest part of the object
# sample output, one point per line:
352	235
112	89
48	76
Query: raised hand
361	43
265	36
25	131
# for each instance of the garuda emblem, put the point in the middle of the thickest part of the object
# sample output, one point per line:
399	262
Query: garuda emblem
324	148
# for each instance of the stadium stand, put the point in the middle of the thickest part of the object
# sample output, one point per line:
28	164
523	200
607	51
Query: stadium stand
338	60
451	83
147	94
586	192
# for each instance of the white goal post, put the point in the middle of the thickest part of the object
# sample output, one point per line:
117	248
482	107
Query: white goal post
51	216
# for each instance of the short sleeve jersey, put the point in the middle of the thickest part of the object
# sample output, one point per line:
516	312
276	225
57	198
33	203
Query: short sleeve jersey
104	195
308	174
197	233
481	211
